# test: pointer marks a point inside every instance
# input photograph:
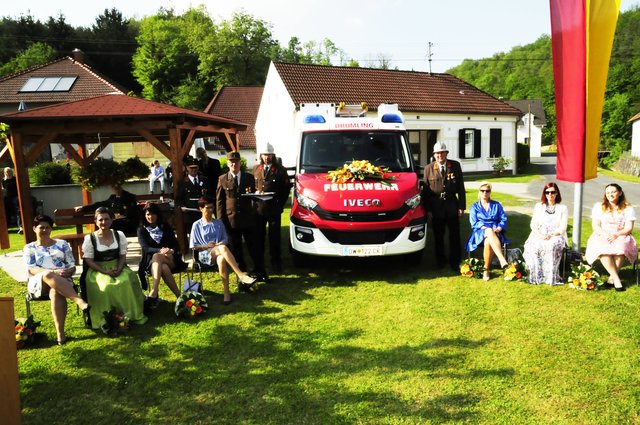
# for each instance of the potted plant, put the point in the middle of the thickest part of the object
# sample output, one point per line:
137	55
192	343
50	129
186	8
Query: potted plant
107	172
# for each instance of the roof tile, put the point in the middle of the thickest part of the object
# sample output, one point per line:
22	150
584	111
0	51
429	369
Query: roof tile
412	91
240	103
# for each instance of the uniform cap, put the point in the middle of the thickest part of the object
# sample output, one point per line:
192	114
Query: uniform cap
233	156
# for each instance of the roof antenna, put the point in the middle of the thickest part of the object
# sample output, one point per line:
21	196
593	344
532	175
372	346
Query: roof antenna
429	54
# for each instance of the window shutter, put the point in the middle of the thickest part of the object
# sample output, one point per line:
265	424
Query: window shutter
477	145
461	143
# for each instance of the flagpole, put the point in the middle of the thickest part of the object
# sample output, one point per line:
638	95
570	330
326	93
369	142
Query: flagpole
577	215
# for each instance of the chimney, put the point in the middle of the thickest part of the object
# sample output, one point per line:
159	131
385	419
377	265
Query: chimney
78	55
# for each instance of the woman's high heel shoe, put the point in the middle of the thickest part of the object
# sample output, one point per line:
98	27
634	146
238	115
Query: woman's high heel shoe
248	280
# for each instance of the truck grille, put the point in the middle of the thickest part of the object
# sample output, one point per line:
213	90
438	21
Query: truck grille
362	216
373	237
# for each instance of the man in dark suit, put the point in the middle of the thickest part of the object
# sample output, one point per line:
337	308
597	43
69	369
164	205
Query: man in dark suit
124	206
191	188
238	213
271	177
445	202
210	168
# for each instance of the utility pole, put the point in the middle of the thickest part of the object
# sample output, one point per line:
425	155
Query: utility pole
429	54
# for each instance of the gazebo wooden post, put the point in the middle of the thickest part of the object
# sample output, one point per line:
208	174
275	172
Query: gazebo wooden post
86	195
4	228
22	180
177	169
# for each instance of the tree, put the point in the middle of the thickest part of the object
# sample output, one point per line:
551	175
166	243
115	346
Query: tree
36	54
239	52
164	58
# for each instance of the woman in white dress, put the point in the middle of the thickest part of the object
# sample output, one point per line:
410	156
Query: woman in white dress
612	220
545	245
50	266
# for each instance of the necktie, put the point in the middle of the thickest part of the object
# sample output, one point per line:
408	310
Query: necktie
238	180
442	170
266	169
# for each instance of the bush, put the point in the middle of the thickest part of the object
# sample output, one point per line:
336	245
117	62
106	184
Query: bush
50	173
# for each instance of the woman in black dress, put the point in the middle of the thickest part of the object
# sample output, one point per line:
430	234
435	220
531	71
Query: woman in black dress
161	255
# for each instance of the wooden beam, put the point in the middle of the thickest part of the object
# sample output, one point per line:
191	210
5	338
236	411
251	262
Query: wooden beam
157	143
45	140
74	154
230	145
5	152
178	171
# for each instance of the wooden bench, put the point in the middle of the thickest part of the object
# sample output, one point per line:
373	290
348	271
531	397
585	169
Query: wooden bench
75	241
70	217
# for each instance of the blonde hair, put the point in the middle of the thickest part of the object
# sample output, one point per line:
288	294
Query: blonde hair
485	185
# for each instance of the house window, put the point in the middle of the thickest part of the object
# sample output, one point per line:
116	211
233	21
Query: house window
495	142
469	140
48	84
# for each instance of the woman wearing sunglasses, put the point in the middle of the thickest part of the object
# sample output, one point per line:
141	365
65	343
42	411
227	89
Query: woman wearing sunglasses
544	246
488	226
611	241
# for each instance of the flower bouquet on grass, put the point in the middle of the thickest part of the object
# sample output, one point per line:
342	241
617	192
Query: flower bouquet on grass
115	322
25	331
360	170
516	271
191	304
471	267
584	277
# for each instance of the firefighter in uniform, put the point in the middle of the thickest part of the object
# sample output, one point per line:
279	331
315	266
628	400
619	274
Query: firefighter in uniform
239	215
270	176
445	202
191	188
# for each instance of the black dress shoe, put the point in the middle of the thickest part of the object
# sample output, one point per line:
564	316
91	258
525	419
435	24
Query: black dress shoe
620	289
227	302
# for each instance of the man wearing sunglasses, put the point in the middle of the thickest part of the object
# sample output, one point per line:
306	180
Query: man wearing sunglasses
445	202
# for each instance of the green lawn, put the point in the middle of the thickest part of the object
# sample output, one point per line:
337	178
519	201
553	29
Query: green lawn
352	342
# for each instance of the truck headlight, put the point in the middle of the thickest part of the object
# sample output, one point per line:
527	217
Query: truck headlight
414	201
306	202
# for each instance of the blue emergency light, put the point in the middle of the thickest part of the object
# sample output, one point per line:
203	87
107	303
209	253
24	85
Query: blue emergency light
314	119
392	118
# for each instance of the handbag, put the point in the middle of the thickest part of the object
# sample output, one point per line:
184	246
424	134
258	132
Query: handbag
191	285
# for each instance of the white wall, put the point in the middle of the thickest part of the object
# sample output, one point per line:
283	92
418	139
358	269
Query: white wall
535	144
635	138
448	126
275	123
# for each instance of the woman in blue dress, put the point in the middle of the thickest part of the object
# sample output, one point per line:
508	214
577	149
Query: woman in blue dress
50	266
488	226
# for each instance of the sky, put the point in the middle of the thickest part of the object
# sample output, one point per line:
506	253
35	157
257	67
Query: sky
398	30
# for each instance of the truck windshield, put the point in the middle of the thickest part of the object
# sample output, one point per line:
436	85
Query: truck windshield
325	151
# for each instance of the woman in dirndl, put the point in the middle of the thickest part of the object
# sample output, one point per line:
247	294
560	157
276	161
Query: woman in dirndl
109	281
545	245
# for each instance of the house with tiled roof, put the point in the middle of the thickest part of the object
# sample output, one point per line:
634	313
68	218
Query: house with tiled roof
238	103
635	135
475	126
529	127
66	79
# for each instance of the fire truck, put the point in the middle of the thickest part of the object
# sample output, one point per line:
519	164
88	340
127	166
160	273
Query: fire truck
355	214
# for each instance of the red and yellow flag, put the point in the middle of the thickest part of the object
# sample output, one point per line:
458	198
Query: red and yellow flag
581	39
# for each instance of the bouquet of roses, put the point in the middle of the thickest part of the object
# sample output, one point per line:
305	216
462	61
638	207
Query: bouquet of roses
471	267
191	304
25	331
360	170
115	322
516	271
584	277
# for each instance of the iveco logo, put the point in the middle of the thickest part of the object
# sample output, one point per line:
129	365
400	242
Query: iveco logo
362	202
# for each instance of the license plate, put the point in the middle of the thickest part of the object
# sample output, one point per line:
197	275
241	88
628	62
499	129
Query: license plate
362	251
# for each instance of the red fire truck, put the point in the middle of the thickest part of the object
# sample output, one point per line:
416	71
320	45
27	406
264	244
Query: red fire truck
346	216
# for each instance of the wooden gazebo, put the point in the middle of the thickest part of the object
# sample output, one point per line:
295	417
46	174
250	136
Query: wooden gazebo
102	120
